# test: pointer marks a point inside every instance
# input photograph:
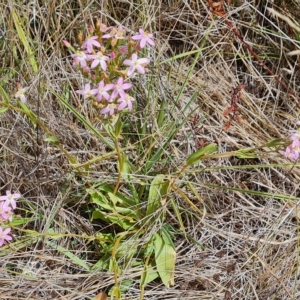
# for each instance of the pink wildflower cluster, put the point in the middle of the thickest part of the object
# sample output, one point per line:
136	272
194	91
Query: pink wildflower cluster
7	205
107	58
292	151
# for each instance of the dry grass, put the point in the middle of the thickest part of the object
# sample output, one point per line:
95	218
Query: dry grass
242	245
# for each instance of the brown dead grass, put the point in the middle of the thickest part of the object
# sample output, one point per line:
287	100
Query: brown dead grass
249	244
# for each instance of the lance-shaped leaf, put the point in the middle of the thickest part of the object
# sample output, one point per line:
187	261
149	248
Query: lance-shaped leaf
165	258
158	190
197	156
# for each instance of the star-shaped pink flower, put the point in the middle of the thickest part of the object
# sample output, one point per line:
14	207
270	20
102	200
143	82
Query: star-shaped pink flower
120	88
109	109
4	236
102	90
80	58
144	37
99	58
4	211
125	102
90	42
87	92
10	199
136	64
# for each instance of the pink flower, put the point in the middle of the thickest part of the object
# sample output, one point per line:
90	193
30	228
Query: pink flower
80	57
4	210
125	102
10	199
91	29
89	43
104	28
20	94
289	153
120	88
102	90
109	109
123	49
136	64
4	236
113	55
87	92
117	33
295	135
144	37
296	146
99	58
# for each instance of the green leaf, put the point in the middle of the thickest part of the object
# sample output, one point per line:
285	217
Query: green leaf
158	190
149	274
29	113
3	109
274	142
120	220
165	258
246	153
82	119
67	253
118	128
257	193
125	285
4	95
23	37
52	140
197	156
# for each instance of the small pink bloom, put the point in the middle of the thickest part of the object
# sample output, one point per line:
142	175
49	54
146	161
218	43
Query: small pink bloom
144	37
136	64
104	28
10	199
113	55
21	94
91	28
295	146
86	70
89	43
125	102
4	210
120	88
109	109
117	33
99	58
102	90
4	236
123	49
87	92
80	57
289	153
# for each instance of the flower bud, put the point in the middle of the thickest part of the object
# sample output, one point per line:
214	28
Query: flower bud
114	42
97	24
66	43
91	29
80	38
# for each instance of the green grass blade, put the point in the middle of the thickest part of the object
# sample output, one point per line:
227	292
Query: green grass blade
67	253
256	193
82	119
25	42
